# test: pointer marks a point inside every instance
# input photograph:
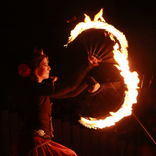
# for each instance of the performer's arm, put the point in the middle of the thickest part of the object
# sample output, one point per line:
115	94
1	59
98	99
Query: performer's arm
71	85
76	80
89	83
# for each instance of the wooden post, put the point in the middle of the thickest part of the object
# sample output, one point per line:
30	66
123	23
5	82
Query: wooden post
57	130
66	130
13	126
131	150
103	143
121	146
85	142
5	132
76	139
20	123
112	142
94	142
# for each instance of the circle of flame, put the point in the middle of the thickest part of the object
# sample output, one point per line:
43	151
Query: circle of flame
131	79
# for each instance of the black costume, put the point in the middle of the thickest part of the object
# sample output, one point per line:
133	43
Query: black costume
38	113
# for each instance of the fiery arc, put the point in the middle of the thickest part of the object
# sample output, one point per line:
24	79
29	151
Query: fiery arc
131	79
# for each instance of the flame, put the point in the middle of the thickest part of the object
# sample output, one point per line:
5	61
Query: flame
120	55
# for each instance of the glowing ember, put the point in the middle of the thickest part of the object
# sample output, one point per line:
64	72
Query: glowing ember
120	55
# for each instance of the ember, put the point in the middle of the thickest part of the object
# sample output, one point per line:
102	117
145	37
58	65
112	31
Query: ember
120	54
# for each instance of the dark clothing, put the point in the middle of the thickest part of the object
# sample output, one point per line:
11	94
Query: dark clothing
38	113
37	107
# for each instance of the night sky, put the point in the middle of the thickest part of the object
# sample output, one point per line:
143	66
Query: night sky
44	24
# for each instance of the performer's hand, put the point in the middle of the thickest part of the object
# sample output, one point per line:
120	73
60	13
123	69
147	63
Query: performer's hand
94	88
54	78
93	60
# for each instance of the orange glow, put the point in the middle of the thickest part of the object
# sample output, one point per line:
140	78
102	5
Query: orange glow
131	79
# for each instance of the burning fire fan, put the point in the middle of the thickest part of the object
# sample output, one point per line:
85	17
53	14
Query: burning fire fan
118	85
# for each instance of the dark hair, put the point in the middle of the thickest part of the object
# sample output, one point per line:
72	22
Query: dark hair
33	60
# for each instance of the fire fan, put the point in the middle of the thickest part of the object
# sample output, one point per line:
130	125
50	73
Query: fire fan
118	90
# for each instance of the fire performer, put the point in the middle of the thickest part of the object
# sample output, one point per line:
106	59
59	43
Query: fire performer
36	135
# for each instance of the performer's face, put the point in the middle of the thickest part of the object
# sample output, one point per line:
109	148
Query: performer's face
42	72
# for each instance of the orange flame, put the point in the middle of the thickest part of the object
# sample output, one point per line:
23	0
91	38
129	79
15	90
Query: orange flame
120	55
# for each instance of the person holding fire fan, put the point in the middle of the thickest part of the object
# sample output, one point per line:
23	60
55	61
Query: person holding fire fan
35	138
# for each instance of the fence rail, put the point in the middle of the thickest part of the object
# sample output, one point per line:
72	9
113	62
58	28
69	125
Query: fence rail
84	141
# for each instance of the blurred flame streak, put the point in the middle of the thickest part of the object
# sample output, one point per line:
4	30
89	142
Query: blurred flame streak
120	55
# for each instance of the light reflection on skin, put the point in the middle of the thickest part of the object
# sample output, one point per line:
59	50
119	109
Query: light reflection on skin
43	71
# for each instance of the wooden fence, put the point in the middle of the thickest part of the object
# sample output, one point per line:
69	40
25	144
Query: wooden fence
84	141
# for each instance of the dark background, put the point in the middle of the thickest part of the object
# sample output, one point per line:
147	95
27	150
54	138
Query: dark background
25	24
44	24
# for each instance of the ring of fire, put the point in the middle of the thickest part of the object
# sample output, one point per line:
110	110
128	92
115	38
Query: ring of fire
131	79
